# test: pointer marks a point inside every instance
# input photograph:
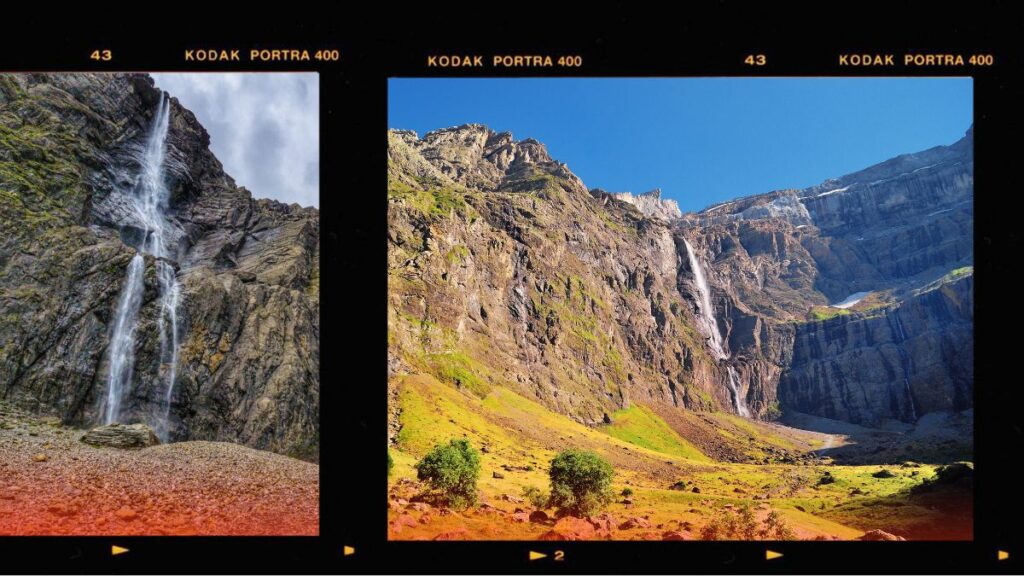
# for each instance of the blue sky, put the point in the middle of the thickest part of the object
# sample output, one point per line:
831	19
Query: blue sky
701	140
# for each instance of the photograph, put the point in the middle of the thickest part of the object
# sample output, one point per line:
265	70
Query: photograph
159	304
670	309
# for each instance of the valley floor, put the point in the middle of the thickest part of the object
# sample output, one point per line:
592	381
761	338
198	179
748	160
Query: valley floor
681	471
53	484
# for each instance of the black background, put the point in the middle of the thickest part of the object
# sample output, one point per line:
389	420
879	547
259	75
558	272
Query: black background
621	41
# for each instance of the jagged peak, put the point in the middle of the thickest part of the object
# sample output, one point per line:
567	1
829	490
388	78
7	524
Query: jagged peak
476	155
460	128
649	203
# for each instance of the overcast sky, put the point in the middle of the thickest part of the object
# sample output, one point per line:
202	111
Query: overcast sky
264	128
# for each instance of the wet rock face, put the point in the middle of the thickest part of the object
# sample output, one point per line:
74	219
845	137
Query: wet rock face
505	270
249	316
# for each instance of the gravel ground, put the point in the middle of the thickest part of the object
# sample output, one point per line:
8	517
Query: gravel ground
53	484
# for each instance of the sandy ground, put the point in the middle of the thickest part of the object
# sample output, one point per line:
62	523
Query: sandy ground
53	484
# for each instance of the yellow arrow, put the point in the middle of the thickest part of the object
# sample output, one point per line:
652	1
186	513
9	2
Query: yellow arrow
348	551
537	555
115	550
772	554
1004	555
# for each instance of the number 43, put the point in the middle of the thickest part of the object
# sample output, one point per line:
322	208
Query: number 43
755	60
101	55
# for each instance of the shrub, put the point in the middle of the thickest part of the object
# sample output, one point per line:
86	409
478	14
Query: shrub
743	525
580	483
535	497
775	528
391	463
452	470
627	492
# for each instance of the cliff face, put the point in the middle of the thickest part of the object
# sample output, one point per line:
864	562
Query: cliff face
899	362
504	270
248	369
887	240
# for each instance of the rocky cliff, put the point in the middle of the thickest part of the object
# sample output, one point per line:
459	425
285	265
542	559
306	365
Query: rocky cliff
248	367
804	279
505	270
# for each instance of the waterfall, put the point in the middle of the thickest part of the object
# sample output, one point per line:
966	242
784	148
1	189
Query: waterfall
737	399
899	325
910	396
707	318
707	313
149	200
122	342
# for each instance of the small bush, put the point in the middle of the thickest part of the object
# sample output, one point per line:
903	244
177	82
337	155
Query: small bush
775	528
580	483
452	470
391	463
627	492
536	498
743	525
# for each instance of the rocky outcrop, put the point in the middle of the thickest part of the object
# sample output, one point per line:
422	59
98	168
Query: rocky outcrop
118	436
248	366
650	203
505	270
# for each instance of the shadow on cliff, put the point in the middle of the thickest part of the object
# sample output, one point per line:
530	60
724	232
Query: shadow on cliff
936	438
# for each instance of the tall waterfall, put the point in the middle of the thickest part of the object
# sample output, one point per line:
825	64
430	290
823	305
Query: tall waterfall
149	201
707	312
122	342
707	318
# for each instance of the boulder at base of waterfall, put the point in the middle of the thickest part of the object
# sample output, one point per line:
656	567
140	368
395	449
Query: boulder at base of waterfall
121	436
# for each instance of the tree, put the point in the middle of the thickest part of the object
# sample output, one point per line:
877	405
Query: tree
452	470
580	483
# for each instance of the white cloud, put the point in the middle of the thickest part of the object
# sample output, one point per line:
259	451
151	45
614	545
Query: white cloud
264	128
